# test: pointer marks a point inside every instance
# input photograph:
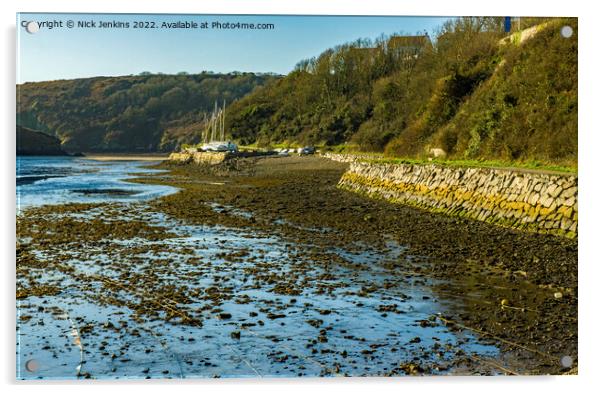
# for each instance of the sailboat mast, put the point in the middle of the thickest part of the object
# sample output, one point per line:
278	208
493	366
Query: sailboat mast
215	123
204	131
224	121
220	125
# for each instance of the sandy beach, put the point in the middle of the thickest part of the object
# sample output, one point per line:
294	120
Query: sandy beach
127	157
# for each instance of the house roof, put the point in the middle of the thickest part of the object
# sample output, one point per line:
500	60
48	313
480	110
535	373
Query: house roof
399	41
365	50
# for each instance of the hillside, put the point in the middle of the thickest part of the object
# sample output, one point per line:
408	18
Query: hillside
466	91
130	113
30	142
470	90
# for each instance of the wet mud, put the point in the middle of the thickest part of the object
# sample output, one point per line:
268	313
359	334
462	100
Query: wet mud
263	268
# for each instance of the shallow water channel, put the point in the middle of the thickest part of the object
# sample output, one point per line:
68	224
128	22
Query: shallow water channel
211	301
56	180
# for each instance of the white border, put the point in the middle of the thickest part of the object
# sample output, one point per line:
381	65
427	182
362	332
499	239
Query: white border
590	143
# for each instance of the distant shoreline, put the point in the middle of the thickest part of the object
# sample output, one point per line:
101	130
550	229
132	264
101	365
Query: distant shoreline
127	157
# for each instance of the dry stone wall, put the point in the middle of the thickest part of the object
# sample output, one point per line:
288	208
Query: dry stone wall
545	203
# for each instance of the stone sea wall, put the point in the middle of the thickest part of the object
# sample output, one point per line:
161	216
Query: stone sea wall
210	158
538	202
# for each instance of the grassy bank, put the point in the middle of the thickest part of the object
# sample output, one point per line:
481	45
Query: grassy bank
495	164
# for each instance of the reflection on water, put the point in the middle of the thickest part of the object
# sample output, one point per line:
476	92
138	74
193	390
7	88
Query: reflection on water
56	180
265	306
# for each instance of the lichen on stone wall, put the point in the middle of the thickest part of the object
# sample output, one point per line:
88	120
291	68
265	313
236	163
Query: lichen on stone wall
211	158
538	202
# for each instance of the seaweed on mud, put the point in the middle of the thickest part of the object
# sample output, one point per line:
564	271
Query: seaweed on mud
133	265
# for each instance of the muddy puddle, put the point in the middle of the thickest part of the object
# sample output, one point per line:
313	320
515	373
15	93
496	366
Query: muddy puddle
196	301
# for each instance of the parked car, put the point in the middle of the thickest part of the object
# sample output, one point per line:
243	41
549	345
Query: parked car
220	147
307	150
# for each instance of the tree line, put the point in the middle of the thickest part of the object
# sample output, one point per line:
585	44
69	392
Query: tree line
469	89
147	112
463	90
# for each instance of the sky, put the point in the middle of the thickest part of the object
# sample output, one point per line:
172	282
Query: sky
63	52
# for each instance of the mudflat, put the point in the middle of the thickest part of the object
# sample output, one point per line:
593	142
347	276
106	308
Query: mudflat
486	265
262	266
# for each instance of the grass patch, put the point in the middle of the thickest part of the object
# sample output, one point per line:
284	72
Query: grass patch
379	158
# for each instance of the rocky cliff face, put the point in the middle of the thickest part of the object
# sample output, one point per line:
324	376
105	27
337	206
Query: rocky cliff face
36	143
538	202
